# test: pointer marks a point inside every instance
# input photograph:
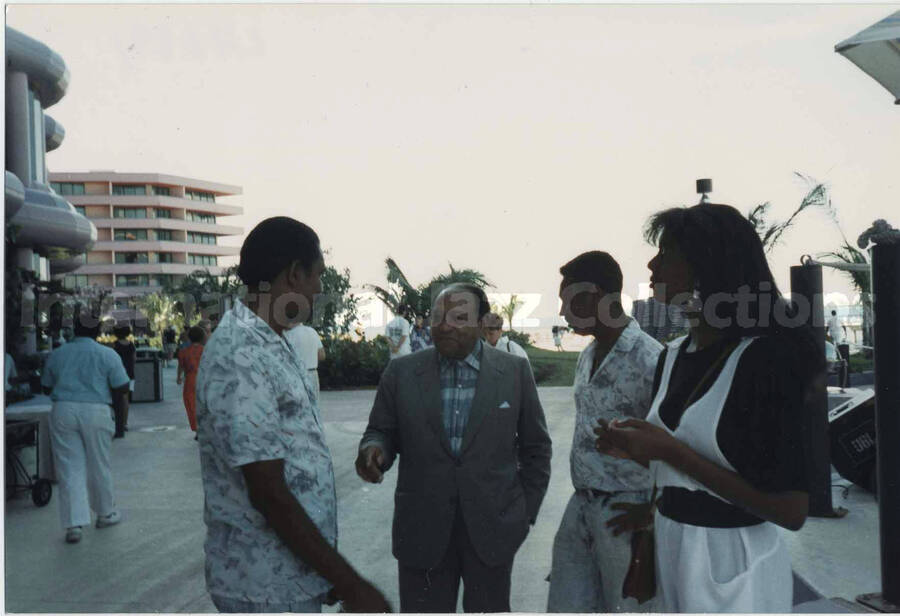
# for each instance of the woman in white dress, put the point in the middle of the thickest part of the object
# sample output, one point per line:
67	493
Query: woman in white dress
723	436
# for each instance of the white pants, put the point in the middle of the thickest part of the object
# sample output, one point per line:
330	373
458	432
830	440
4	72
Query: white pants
701	569
82	435
589	563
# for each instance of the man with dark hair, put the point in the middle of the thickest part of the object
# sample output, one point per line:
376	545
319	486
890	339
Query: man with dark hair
126	350
613	380
85	379
169	337
270	507
467	424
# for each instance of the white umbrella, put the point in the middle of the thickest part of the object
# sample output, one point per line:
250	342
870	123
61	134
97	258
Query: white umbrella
876	50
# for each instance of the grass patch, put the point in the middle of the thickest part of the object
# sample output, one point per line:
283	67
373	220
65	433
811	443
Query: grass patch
552	368
859	363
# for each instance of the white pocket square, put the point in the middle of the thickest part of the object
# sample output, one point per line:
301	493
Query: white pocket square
505	405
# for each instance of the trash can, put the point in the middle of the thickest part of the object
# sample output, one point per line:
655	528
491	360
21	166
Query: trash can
148	382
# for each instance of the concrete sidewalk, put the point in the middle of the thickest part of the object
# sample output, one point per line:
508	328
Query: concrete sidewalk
153	560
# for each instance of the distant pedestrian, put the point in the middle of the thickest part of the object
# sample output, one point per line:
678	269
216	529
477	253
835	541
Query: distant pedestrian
85	379
838	333
397	333
170	337
184	340
126	350
492	330
557	336
188	364
270	505
420	336
308	347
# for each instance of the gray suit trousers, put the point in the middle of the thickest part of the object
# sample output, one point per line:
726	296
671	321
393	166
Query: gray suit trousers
486	588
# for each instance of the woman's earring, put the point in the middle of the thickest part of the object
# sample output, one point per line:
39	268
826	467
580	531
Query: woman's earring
696	303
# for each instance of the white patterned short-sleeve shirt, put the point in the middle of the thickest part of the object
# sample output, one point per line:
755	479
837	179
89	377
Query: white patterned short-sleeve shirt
254	404
622	387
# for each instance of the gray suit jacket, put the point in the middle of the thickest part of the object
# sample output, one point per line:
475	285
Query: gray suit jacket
500	477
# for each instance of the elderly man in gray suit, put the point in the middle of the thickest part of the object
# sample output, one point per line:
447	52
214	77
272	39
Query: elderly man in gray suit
467	424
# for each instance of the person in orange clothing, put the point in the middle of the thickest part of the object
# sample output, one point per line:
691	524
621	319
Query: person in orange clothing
188	363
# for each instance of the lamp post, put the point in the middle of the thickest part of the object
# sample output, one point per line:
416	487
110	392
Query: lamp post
886	294
704	187
806	283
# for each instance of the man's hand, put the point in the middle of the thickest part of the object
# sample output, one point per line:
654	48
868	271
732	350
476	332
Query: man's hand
362	597
636	517
178	381
369	463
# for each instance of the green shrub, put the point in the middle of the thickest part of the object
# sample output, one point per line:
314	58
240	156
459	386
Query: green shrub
520	338
353	363
543	370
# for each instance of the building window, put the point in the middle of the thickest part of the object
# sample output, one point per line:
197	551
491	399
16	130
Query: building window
196	195
160	190
165	257
129	189
132	257
201	217
67	188
163	235
75	281
80	209
203	259
128	235
129	212
161	213
132	280
201	238
122	304
161	280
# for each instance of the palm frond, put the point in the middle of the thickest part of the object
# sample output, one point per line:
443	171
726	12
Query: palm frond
396	276
390	299
850	254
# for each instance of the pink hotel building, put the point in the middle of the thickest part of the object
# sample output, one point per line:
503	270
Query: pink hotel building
151	228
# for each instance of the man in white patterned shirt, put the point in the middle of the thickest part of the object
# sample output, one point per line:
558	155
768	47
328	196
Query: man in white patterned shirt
613	380
270	502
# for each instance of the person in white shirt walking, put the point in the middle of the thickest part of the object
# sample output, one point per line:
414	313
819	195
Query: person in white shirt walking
397	332
613	380
85	380
492	329
838	333
309	350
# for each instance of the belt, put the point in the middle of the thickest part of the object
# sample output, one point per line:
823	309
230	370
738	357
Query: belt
699	508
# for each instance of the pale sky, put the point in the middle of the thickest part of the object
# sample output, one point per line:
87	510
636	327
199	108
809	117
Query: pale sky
504	138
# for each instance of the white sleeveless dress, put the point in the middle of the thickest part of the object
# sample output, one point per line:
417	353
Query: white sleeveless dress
701	569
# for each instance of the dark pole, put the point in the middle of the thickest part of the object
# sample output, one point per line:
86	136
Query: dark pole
806	293
886	293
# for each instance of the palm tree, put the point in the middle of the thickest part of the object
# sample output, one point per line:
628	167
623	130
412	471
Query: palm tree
402	298
201	287
161	311
772	232
860	278
508	310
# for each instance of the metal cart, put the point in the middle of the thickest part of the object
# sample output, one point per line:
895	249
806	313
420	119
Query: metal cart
21	434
